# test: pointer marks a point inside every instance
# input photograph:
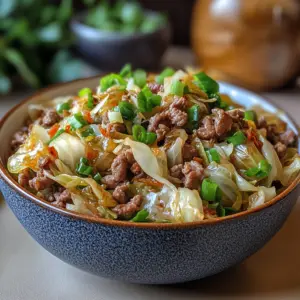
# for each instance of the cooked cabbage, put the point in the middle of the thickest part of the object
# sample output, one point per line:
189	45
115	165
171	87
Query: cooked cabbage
291	171
262	196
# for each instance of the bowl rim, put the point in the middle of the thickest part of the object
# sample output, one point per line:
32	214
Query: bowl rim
8	179
76	22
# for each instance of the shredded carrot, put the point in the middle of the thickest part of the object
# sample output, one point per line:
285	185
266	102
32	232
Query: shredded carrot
87	116
150	182
91	153
68	128
53	152
252	136
103	131
198	159
53	130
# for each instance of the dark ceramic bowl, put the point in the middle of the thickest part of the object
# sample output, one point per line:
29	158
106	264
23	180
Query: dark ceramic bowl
112	50
142	252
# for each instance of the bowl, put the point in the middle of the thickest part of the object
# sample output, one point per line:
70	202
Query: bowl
112	50
148	253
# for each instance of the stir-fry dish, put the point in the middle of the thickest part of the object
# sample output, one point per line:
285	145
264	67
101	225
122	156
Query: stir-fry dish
153	148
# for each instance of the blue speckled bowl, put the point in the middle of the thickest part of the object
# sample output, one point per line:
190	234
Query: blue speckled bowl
142	253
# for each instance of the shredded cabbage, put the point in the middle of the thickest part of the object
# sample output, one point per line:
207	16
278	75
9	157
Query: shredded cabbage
291	171
262	196
69	149
115	117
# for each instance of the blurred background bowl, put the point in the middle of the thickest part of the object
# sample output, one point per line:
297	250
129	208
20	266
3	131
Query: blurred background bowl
112	50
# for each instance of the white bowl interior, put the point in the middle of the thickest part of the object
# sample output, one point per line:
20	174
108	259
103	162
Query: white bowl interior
19	115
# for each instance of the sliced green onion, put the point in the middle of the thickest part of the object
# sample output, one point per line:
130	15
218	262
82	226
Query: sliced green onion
261	171
221	211
127	110
167	72
141	135
84	170
229	211
98	177
250	115
206	83
126	71
84	92
141	216
213	205
147	101
84	160
237	139
77	121
210	191
88	132
193	116
110	80
155	100
62	106
140	77
57	134
177	88
213	155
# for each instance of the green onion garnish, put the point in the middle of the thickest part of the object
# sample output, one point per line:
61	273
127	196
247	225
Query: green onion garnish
84	160
141	216
206	83
126	71
84	170
177	88
147	101
141	135
127	110
167	72
237	139
140	77
250	115
57	134
77	121
213	155
193	116
261	171
84	92
110	80
62	106
98	177
88	132
210	191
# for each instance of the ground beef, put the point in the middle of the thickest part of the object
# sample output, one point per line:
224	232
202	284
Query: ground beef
158	119
129	156
40	181
126	211
176	171
24	177
44	162
61	198
116	127
261	122
119	193
110	182
194	173
189	152
119	167
161	132
288	138
179	103
19	138
223	122
280	149
155	87
177	117
236	114
49	118
207	130
136	169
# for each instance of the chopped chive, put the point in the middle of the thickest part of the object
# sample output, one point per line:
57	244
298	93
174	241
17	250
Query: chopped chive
141	135
250	115
177	88
77	121
88	132
140	77
261	171
210	191
98	177
83	169
126	71
213	155
193	116
127	110
62	106
110	80
57	134
141	216
206	83
237	139
84	92
167	72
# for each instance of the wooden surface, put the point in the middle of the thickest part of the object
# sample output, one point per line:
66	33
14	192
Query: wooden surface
29	272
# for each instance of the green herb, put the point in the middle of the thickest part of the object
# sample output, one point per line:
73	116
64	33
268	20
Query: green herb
88	132
110	80
140	77
177	88
210	191
62	106
221	211
141	216
147	101
77	121
167	72
213	155
98	177
84	92
213	205
57	134
127	110
206	83
193	117
219	102
126	71
84	160
237	139
250	115
84	170
261	171
141	135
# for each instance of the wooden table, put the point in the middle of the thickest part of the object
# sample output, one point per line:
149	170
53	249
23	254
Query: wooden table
29	272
